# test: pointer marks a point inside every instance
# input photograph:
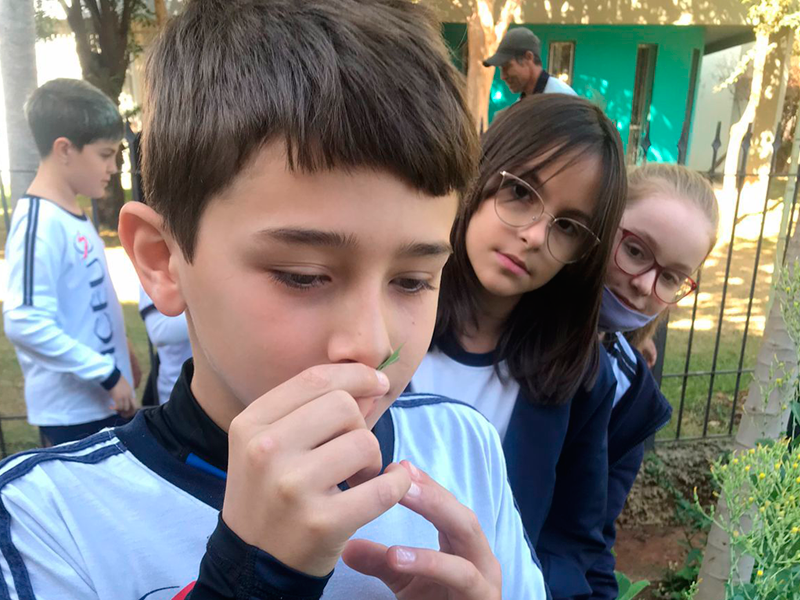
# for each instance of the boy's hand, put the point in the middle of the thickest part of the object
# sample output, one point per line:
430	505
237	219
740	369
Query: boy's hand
464	568
291	448
124	400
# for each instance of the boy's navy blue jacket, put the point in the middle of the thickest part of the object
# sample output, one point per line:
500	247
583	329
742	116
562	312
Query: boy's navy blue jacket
557	467
641	412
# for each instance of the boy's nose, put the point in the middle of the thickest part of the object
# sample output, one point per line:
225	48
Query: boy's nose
360	332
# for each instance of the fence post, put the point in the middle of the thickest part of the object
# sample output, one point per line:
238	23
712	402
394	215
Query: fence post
5	204
741	173
790	192
715	145
773	165
646	143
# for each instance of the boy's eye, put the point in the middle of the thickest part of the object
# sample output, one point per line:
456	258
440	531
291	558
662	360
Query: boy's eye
409	285
298	281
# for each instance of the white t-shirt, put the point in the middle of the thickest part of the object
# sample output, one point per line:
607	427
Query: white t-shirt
170	337
556	86
62	314
473	380
117	516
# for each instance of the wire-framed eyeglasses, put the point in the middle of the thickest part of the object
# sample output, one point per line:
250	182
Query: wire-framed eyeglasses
517	204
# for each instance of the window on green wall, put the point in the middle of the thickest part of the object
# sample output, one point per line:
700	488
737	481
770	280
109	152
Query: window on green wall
560	59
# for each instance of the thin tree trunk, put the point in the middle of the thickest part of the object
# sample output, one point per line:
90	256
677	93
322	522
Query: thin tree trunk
161	13
762	418
18	63
483	37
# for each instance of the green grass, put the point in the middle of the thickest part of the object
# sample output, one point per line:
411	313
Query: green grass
18	434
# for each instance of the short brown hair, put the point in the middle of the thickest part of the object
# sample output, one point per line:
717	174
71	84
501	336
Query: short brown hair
342	83
73	109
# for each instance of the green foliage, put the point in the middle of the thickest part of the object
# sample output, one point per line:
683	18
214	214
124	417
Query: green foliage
628	590
46	26
392	359
679	581
762	494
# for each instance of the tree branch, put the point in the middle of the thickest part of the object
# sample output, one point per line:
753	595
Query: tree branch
511	11
483	10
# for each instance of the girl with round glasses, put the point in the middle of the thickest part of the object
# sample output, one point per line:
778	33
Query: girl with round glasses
668	229
516	332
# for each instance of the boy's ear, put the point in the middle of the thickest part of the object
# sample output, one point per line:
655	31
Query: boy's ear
154	253
61	150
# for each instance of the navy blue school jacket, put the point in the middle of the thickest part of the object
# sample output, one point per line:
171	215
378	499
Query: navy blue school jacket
641	412
558	469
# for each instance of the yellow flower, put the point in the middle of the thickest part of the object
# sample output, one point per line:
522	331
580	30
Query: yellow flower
797	480
762	476
752	451
750	499
735	534
762	509
777	465
795	529
795	465
747	469
735	461
760	573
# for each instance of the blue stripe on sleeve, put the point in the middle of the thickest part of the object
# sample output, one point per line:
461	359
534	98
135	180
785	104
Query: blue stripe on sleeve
30	245
19	573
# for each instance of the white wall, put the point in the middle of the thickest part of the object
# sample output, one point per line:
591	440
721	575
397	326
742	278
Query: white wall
711	107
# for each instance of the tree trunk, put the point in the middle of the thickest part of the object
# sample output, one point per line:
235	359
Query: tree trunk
483	37
18	63
762	418
739	128
105	70
161	13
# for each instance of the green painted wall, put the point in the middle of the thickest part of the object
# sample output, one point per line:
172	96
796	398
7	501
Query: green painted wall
604	71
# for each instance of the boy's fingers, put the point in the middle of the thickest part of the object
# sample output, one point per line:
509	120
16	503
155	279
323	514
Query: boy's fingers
360	381
452	572
320	420
366	502
369	558
459	525
354	452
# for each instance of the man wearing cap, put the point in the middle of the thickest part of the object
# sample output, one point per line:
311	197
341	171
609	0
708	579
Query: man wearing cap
520	61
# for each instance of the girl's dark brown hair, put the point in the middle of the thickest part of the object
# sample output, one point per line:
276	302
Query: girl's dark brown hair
550	341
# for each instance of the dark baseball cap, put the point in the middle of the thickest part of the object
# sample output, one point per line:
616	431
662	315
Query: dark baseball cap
517	42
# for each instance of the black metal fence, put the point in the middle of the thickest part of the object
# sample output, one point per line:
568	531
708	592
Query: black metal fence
704	356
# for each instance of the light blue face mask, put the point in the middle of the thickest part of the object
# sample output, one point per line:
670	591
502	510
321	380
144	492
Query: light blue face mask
615	316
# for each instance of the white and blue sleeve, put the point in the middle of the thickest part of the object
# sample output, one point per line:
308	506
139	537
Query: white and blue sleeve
35	251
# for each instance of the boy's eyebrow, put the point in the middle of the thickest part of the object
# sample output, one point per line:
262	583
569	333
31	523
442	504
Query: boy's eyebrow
310	237
424	249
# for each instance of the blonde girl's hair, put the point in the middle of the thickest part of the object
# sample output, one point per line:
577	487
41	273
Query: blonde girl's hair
675	181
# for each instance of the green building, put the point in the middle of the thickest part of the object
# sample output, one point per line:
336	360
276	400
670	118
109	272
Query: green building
640	63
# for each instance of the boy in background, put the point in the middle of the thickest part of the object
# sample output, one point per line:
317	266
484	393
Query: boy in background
61	311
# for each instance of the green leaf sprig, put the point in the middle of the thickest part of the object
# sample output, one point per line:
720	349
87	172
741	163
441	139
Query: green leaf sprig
392	359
